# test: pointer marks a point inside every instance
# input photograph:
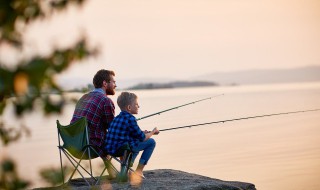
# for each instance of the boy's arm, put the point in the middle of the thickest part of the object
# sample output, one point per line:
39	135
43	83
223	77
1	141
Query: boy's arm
135	131
155	131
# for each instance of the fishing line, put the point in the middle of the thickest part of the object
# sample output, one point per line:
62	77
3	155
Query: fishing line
160	112
237	119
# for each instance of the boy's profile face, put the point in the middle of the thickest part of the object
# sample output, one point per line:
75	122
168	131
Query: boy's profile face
133	108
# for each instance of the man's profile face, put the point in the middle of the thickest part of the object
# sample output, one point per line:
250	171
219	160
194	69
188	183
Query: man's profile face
111	86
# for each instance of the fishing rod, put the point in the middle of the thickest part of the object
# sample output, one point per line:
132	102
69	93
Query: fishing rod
160	112
237	119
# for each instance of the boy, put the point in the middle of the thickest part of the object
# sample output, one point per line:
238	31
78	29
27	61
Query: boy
124	129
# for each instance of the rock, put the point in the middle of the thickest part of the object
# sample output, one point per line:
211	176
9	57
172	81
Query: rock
162	179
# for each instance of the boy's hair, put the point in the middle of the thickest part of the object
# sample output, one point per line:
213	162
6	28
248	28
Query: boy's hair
100	76
125	99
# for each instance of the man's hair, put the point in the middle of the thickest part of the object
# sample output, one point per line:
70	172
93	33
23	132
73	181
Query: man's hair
125	99
100	76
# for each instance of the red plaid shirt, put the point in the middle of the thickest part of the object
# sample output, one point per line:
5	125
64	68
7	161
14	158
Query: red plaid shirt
99	111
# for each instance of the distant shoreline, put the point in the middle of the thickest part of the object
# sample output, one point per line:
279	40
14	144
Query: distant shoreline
176	84
232	78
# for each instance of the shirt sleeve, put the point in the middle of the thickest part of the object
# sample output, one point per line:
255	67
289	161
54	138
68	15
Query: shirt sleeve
135	131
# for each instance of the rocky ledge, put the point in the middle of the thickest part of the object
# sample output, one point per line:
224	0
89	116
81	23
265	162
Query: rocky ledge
166	179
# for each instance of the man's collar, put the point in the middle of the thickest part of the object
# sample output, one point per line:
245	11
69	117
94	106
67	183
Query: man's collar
99	90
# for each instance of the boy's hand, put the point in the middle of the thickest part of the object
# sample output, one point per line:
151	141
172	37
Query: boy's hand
155	131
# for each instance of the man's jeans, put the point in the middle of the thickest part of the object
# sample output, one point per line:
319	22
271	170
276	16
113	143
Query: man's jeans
147	147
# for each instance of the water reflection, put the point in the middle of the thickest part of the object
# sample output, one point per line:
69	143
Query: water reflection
281	152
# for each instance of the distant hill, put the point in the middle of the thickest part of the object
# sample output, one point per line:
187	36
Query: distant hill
304	74
257	76
176	84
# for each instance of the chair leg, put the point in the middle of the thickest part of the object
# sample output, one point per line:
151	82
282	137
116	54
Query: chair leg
62	173
76	168
128	162
107	164
125	166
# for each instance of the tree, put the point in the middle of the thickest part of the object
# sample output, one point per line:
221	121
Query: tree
31	80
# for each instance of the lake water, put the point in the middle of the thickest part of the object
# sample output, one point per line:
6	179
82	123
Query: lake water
279	152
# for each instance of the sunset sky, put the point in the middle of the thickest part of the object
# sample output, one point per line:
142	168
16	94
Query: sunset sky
186	38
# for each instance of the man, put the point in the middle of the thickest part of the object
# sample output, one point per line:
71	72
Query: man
98	108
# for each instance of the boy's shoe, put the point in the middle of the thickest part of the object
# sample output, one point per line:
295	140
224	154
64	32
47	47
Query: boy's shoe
141	175
136	178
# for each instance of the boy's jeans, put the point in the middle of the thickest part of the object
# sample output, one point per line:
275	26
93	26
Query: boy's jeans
147	147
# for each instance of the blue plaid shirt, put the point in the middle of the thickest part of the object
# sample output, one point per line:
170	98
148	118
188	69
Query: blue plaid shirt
123	129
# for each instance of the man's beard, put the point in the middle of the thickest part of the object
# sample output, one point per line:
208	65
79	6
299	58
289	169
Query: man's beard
110	91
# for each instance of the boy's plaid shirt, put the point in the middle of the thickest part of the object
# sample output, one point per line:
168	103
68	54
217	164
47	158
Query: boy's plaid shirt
123	129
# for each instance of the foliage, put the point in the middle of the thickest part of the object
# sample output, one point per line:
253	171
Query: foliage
11	134
31	79
53	176
9	178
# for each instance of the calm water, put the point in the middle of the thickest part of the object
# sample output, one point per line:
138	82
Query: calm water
280	152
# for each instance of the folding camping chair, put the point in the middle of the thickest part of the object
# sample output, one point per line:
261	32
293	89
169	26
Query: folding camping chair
76	148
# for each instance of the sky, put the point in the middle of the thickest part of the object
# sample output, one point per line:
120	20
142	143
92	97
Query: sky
184	38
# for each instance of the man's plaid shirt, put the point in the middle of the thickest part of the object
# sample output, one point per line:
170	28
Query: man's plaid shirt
99	111
123	129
